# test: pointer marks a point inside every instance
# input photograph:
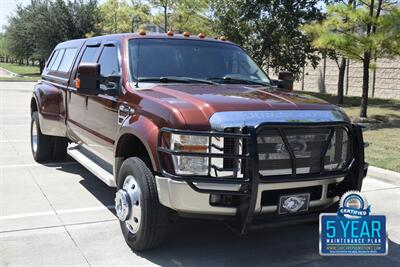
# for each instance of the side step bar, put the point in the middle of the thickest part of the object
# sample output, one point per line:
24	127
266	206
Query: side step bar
92	163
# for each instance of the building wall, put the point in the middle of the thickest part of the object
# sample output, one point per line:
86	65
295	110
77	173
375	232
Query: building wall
385	85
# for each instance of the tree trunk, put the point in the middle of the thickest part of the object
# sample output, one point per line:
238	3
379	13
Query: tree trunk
41	65
342	71
365	85
165	18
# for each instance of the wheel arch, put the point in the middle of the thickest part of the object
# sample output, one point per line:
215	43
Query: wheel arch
34	105
132	143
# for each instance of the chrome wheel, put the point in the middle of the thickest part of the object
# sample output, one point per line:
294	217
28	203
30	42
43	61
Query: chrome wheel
34	136
128	204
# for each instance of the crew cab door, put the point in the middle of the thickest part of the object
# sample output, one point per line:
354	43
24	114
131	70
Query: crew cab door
102	109
77	103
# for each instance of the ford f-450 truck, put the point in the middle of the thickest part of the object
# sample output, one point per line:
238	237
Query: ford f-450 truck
188	125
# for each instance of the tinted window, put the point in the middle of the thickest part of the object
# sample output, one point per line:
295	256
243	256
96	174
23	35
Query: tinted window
52	59
66	62
193	59
90	54
109	61
57	60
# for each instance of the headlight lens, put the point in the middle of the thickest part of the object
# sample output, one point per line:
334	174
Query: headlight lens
188	164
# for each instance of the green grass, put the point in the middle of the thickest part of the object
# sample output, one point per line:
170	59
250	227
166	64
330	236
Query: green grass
383	134
23	70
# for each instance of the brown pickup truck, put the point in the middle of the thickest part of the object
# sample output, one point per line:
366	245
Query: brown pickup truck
188	125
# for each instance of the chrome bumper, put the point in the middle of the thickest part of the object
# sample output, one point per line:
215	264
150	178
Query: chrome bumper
179	196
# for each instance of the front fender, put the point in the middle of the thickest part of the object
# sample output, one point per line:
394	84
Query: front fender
146	131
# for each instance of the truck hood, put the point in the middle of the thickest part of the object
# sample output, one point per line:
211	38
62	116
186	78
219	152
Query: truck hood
197	103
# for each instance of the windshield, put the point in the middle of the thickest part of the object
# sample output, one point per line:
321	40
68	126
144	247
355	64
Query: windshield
155	59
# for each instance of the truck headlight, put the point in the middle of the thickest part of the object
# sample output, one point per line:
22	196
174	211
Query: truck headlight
189	164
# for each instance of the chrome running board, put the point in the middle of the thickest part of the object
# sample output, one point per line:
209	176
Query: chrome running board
92	163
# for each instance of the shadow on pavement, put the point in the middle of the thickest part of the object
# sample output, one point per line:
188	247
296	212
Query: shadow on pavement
210	243
90	182
191	242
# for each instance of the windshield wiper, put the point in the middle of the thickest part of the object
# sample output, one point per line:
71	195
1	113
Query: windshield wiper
230	79
168	79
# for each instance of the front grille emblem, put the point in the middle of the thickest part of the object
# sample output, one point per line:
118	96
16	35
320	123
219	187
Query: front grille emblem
296	146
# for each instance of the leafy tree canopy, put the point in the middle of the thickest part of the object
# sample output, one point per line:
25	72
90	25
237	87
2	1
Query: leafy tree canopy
369	29
120	16
36	29
270	30
184	15
345	30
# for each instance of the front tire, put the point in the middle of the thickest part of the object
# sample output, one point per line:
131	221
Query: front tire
143	219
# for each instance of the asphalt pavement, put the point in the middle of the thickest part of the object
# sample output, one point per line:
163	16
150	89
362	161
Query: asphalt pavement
59	214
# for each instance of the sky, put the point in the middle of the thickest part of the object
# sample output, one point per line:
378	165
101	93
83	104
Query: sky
7	7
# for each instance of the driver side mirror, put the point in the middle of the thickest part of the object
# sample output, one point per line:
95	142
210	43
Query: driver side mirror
88	82
285	80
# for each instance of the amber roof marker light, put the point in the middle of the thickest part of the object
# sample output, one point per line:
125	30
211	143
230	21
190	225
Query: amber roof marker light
201	35
142	32
186	34
222	38
170	33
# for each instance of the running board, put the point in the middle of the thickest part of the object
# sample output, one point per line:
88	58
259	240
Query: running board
90	162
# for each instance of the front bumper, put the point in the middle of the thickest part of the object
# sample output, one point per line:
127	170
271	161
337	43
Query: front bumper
191	194
180	197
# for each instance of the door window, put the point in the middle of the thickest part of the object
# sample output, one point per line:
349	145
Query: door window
67	60
90	54
109	68
52	59
57	60
109	65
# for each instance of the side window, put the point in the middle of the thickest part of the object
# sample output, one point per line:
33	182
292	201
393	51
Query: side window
67	60
108	61
52	59
57	60
90	54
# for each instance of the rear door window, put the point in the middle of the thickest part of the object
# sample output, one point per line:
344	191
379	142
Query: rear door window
57	60
90	54
52	59
67	60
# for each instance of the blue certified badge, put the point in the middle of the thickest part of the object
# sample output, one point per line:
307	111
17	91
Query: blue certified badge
352	230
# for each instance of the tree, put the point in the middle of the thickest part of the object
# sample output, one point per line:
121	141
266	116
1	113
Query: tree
18	35
270	30
121	16
165	5
37	28
184	15
190	15
4	48
361	33
313	31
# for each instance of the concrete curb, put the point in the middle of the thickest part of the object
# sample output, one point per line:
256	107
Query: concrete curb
382	174
11	73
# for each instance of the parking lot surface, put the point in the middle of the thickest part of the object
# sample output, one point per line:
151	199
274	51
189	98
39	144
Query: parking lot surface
59	214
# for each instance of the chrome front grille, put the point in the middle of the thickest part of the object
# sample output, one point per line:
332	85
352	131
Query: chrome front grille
308	150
